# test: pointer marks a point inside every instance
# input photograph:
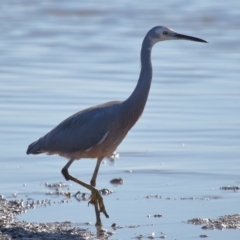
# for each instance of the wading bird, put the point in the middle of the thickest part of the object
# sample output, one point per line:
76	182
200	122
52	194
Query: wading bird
97	131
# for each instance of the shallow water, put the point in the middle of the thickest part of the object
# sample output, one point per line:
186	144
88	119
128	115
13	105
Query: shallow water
57	59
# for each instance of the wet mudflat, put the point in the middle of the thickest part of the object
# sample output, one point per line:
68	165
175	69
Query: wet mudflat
149	204
222	223
181	160
11	228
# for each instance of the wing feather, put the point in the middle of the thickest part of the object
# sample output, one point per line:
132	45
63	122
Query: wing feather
80	131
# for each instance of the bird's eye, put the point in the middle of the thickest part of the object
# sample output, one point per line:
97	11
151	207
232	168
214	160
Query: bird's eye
165	33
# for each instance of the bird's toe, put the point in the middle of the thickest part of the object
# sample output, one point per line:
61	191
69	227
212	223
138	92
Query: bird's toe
96	198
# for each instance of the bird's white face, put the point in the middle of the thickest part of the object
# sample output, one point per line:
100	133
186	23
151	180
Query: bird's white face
164	33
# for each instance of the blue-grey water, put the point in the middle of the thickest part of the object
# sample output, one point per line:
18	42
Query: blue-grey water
58	57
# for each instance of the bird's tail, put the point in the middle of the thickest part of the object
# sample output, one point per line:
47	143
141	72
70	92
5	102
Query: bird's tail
34	148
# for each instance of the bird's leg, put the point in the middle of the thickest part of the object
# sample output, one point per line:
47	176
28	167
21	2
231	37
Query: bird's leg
97	212
94	177
93	183
65	172
96	197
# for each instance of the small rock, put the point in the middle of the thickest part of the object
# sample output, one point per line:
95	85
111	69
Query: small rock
114	225
105	191
203	236
117	181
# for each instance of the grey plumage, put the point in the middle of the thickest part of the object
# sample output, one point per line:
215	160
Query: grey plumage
78	132
97	131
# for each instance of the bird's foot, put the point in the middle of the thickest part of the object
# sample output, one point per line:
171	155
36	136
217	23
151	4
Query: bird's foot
96	199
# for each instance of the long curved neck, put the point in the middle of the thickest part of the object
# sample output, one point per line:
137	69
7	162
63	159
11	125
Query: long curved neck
135	104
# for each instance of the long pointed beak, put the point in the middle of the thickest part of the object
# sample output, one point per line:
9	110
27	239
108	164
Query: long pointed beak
185	37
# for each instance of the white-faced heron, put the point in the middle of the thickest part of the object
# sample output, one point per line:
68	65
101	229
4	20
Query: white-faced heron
97	131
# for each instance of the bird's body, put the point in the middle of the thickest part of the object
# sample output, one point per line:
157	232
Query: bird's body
79	136
97	131
91	133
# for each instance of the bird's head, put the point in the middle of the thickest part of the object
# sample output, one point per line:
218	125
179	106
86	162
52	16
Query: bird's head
160	33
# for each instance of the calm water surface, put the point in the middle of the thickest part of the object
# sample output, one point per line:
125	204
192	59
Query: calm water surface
58	58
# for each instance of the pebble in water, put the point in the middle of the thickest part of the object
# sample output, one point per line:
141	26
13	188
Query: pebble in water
117	181
81	196
105	191
153	196
140	237
234	188
114	225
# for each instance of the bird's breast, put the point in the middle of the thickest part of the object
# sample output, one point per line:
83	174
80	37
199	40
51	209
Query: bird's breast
105	147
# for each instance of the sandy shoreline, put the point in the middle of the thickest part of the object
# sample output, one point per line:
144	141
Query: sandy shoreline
10	228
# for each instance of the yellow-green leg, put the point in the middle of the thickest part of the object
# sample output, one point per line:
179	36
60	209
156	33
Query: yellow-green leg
96	198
